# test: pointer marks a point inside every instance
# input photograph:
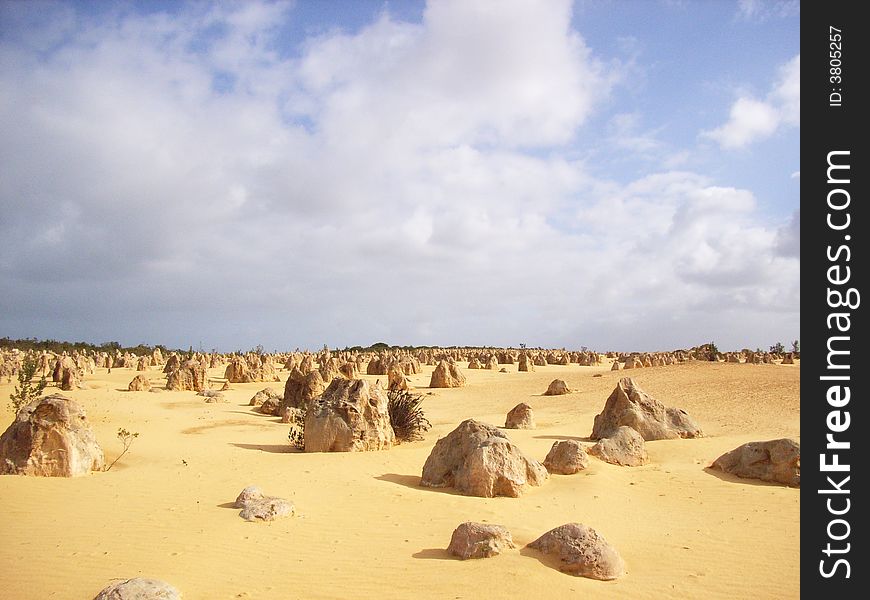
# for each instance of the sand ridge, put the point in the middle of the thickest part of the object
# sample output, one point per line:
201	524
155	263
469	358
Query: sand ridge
365	529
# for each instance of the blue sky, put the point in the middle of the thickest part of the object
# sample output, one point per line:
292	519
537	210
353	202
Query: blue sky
618	175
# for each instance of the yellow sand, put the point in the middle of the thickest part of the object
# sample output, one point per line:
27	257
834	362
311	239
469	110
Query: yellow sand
365	529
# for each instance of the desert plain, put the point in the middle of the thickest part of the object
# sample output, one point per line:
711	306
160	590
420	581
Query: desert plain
365	528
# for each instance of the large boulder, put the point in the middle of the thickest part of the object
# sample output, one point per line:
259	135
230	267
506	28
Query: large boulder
630	406
50	437
774	460
566	458
582	552
189	376
139	588
557	387
351	416
478	460
447	375
479	540
520	417
625	447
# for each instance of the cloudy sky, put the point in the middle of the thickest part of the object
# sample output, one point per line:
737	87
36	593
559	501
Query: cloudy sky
612	174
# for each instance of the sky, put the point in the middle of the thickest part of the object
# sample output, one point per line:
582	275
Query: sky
620	175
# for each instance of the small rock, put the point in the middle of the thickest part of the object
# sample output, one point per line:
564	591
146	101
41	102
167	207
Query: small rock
139	588
479	540
557	387
566	458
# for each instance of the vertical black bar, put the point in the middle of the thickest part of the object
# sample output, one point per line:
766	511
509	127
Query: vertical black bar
834	170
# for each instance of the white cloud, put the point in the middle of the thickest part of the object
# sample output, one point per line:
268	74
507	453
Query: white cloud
751	120
379	185
762	10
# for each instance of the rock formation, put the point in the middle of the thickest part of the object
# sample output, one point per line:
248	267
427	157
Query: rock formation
350	416
582	551
189	376
447	375
140	383
566	458
625	447
774	460
557	387
520	417
50	437
631	406
478	460
258	507
139	588
479	540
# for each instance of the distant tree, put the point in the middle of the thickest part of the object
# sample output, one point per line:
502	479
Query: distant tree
796	346
777	348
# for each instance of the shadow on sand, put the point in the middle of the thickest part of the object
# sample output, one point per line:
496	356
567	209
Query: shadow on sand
433	554
743	480
562	438
413	482
273	448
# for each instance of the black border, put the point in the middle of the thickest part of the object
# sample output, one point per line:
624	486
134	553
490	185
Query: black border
826	128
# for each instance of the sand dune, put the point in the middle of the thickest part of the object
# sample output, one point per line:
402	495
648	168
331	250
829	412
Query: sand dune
365	529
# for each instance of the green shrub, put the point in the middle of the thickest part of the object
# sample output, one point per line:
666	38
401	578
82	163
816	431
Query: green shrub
26	392
127	440
406	415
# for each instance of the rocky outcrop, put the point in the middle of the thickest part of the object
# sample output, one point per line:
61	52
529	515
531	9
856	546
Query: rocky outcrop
447	375
774	460
474	364
350	416
625	447
479	540
628	405
557	387
566	458
50	437
582	552
478	460
520	417
139	588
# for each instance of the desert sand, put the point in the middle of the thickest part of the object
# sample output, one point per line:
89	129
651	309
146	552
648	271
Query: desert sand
365	529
